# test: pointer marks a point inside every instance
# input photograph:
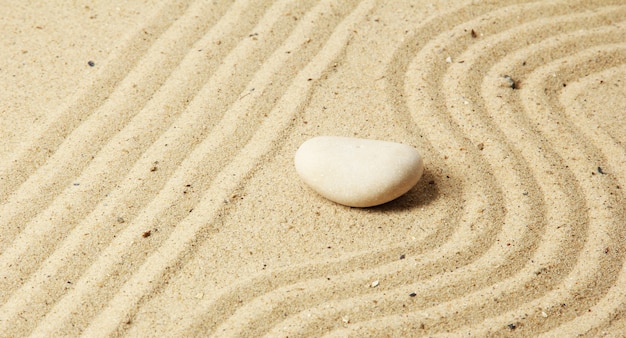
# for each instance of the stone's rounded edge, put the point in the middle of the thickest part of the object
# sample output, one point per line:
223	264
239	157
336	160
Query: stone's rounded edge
299	159
305	160
395	192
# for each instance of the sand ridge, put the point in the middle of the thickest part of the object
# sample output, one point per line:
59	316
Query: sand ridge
161	196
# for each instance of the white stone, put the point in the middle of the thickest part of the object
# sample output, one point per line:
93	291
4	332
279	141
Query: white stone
358	172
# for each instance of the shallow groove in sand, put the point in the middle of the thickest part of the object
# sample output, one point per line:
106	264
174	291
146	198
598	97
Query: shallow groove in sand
260	144
117	204
29	156
481	300
104	130
513	296
242	107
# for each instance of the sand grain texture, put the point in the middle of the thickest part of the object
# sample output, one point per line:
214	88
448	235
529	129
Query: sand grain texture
154	192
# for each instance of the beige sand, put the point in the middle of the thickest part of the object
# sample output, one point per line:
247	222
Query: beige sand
154	192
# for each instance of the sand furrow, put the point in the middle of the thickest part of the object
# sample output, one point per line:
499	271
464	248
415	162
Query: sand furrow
85	239
519	59
81	192
276	307
231	120
327	55
522	142
158	215
46	138
516	60
530	144
578	98
601	252
322	319
604	243
102	130
345	290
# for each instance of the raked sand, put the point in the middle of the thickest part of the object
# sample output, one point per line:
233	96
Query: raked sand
152	191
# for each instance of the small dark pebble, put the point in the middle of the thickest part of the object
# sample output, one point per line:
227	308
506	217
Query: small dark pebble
412	294
512	326
600	171
76	184
147	234
511	81
91	63
402	256
473	33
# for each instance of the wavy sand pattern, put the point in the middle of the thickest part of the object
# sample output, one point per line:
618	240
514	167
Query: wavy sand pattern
154	192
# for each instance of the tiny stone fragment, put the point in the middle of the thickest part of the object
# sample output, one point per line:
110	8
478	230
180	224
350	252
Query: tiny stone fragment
512	83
